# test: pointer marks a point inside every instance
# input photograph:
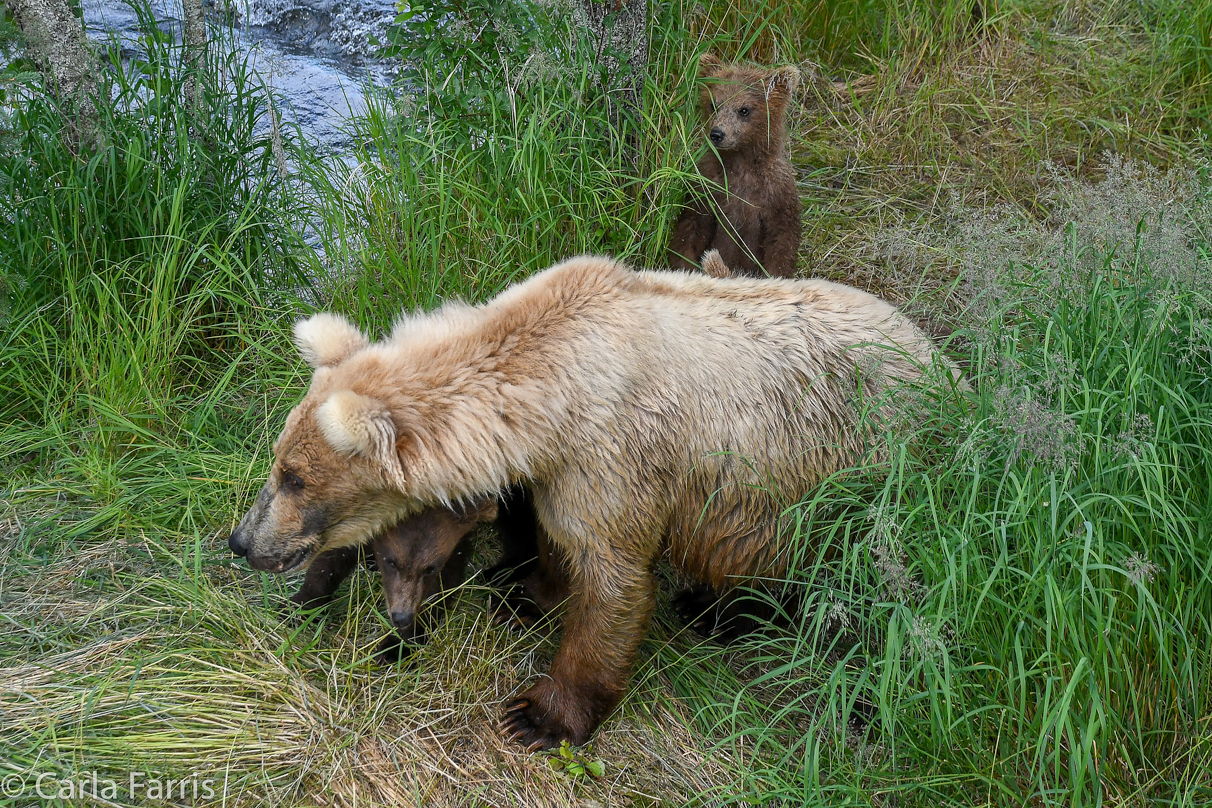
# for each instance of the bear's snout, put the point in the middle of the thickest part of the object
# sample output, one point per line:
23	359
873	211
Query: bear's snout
237	543
403	620
717	135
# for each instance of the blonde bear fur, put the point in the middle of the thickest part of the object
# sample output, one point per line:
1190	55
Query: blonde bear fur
650	413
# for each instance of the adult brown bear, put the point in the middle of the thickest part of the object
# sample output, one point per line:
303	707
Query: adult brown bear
650	414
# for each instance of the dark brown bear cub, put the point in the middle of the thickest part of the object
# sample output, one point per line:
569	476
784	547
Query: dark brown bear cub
749	209
426	555
418	559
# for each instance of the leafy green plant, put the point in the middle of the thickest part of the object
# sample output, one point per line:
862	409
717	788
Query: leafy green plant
456	54
576	763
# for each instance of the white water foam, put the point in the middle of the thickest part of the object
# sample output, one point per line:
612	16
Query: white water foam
349	26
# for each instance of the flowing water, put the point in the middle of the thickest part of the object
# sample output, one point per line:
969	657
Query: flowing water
315	54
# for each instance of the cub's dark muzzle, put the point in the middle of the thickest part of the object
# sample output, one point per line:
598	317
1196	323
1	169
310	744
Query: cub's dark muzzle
237	543
403	620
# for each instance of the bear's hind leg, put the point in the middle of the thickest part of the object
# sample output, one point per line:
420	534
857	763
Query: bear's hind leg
605	620
734	614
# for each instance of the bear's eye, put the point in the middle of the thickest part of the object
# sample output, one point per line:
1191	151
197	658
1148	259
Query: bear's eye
292	481
743	112
432	569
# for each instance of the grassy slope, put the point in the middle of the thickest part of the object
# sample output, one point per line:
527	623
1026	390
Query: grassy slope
1021	652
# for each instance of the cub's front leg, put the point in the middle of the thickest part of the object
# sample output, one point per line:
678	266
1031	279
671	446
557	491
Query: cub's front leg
325	576
782	233
692	234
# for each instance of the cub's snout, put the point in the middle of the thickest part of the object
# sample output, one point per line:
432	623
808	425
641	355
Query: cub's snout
237	543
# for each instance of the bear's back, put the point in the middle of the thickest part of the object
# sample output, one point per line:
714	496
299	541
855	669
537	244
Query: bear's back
744	363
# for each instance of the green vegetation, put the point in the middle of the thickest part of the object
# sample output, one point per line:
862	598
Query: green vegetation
1023	607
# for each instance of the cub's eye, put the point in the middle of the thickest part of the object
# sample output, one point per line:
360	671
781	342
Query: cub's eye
292	481
743	112
432	569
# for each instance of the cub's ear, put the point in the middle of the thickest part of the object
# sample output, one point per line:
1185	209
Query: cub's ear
483	510
708	64
326	339
354	424
783	81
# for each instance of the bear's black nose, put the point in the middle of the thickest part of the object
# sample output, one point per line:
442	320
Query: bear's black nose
717	135
402	620
237	544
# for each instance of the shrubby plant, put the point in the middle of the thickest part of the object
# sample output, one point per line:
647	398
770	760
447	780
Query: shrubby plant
484	60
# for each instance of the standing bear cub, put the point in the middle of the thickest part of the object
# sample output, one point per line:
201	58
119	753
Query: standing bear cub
650	415
749	210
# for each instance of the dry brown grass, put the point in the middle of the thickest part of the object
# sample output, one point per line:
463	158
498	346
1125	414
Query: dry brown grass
976	122
129	668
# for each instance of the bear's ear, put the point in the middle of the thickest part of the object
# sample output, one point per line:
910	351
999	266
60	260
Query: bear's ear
783	81
354	424
326	339
708	64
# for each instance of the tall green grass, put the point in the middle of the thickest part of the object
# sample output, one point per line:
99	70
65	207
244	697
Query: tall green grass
146	284
1032	600
466	195
129	270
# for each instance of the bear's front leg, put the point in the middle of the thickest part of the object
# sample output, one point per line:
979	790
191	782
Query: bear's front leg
692	234
781	235
606	618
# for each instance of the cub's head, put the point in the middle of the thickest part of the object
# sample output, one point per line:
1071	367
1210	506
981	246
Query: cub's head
412	555
337	478
745	107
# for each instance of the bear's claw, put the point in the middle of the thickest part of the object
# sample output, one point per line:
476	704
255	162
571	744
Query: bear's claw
390	651
520	725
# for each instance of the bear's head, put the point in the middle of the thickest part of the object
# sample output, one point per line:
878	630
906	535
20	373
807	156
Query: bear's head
412	555
337	478
745	107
